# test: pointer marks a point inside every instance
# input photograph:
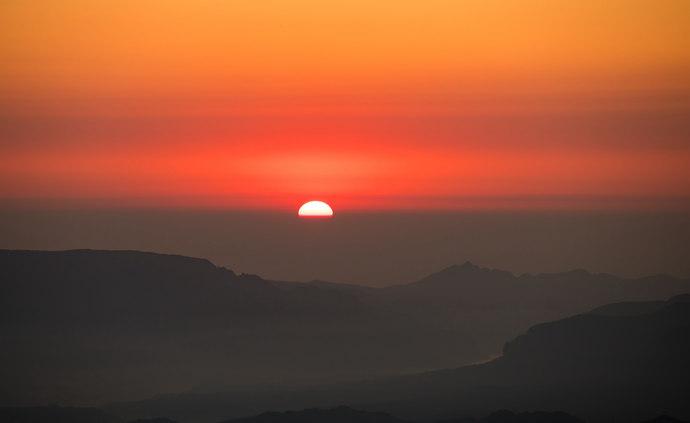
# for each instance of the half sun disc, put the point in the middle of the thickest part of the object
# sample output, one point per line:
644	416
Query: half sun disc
315	209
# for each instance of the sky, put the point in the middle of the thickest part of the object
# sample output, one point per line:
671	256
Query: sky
385	105
376	249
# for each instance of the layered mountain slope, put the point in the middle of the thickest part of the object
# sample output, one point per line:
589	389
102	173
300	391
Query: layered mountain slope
83	327
600	367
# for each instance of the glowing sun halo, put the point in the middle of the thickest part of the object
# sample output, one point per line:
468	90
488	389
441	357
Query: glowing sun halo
315	209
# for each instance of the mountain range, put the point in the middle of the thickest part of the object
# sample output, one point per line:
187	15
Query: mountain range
92	327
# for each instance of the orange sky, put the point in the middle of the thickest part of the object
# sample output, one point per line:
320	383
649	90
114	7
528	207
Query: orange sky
389	104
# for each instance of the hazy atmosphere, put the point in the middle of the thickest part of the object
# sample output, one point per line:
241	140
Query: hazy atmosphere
374	249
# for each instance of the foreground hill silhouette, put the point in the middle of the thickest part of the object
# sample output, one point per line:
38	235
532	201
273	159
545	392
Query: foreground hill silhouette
55	414
664	419
340	414
344	414
600	367
88	327
505	416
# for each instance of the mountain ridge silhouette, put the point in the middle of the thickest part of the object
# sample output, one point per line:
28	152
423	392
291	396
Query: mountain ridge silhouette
154	323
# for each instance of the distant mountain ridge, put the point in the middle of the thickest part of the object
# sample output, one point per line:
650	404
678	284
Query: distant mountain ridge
153	323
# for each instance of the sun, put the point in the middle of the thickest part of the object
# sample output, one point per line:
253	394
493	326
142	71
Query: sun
315	209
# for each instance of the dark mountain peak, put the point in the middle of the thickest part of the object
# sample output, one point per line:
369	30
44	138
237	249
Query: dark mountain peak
468	265
467	279
461	269
466	272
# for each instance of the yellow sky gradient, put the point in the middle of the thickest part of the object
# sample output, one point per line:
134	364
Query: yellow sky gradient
269	47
